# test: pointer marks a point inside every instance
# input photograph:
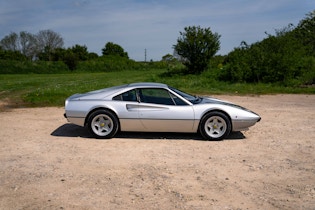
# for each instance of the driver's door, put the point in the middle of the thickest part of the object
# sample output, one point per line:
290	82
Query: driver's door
159	111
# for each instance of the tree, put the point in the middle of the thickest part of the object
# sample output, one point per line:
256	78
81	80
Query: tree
114	49
29	45
92	55
25	43
10	42
280	58
81	52
196	46
168	58
48	41
71	59
11	55
306	32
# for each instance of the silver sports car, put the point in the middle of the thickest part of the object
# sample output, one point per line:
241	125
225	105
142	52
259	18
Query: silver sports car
155	107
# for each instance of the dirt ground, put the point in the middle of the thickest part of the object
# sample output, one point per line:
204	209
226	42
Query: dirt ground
46	163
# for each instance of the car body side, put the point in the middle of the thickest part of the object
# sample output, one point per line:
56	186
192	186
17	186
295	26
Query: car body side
148	117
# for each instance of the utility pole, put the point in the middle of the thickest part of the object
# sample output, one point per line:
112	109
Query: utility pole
145	55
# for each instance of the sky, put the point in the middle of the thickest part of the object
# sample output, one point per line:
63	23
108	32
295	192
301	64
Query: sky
150	25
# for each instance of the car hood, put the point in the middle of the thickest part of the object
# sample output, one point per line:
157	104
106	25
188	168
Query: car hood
226	103
210	100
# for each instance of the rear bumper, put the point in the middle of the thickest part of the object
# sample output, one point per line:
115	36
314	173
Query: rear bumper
75	120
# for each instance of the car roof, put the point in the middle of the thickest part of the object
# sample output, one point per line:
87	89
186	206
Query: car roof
117	89
148	84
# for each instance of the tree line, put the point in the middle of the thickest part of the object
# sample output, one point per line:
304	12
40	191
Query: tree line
286	57
48	45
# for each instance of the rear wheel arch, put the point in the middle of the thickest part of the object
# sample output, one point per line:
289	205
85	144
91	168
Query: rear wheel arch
97	109
102	123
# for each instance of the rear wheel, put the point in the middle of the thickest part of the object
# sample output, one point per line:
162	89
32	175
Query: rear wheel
215	126
103	124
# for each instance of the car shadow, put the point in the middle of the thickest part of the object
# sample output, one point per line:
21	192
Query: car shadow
71	130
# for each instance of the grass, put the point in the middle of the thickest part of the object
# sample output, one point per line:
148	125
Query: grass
34	90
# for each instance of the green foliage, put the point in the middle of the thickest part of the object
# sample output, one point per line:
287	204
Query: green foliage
27	67
52	89
285	58
12	55
92	56
168	57
114	49
196	46
174	67
308	74
116	63
81	52
66	60
71	59
305	31
31	45
106	64
71	56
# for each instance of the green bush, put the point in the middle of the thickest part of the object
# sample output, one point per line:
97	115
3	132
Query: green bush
277	59
101	64
112	63
25	67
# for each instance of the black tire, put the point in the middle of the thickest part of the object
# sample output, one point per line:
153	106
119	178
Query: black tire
103	124
215	126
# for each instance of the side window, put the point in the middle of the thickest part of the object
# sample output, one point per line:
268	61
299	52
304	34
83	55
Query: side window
127	96
156	96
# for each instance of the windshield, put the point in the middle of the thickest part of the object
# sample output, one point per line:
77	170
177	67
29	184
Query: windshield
192	99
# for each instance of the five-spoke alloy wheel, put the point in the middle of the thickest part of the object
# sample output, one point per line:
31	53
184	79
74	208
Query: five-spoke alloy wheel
215	126
103	124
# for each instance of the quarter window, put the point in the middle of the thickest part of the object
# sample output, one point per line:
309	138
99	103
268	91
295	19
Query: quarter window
127	96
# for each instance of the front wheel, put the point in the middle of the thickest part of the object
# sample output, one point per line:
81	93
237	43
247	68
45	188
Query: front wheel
215	126
103	124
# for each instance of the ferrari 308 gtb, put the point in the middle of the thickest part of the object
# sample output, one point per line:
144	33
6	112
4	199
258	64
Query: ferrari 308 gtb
155	107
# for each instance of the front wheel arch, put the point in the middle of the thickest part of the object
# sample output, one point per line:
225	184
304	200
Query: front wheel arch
215	125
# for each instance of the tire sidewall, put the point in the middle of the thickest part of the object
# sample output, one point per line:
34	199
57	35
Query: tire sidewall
205	118
108	114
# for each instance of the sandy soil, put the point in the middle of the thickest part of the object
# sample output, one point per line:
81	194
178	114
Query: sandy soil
46	163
